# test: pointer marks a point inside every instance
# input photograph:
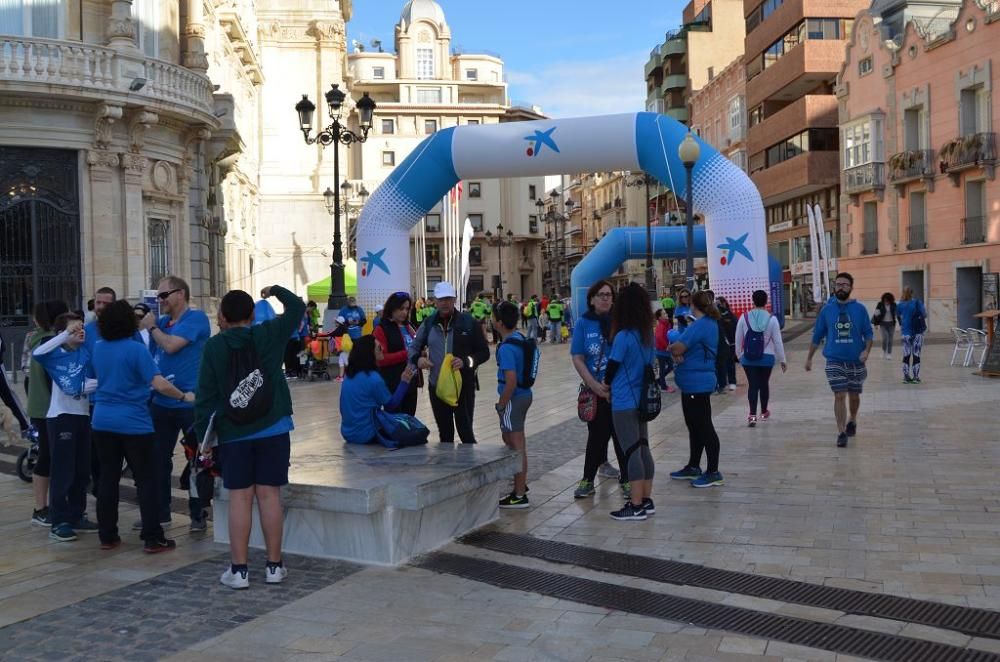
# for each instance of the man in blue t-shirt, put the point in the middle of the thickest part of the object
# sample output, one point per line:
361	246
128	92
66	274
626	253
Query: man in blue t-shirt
354	316
515	397
178	338
846	328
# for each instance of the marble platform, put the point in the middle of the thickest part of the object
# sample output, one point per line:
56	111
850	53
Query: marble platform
381	506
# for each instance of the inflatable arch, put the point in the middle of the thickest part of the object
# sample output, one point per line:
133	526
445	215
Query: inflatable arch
735	236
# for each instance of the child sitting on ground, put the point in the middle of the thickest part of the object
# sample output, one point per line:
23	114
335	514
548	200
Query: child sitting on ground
364	392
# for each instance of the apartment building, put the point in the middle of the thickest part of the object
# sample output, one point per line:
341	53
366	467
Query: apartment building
921	204
794	50
718	113
710	38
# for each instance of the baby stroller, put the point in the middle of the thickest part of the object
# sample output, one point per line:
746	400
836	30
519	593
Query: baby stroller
317	356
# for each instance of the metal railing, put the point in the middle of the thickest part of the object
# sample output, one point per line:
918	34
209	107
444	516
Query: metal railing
916	237
911	164
969	151
973	229
869	243
865	177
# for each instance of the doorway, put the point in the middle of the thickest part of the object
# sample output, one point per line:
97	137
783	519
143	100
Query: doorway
969	296
915	281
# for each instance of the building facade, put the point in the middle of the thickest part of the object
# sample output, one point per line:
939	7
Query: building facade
710	38
921	203
420	88
793	53
718	113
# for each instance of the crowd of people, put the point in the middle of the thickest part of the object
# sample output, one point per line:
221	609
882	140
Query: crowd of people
120	385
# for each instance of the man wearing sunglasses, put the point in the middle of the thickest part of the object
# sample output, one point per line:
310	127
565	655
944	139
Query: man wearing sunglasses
178	338
845	327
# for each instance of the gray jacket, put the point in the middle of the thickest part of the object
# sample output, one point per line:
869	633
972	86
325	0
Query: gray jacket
465	338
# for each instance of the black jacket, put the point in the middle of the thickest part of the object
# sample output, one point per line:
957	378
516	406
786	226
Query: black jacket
880	313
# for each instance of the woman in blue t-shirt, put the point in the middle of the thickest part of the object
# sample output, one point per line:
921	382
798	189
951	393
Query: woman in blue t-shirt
631	352
122	424
590	350
694	355
364	392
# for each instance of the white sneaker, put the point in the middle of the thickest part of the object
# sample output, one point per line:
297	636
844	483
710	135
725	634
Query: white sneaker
275	574
888	357
732	387
238	580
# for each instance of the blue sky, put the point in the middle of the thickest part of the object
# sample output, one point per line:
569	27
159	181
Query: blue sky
571	57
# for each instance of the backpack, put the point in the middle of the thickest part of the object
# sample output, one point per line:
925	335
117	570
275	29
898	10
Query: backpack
399	430
919	321
649	397
753	341
529	368
249	387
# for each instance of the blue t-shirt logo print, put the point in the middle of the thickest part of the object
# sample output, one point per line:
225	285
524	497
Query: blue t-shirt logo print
844	328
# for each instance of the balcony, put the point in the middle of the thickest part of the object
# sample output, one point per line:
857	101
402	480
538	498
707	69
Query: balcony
910	166
654	62
674	82
679	114
572	230
869	242
969	151
87	72
805	173
973	230
916	237
801	70
868	177
812	111
675	46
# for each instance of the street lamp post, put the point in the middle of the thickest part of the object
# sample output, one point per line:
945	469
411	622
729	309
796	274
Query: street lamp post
501	239
335	134
689	151
645	180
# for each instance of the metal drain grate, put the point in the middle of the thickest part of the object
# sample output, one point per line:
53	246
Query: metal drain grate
825	636
968	620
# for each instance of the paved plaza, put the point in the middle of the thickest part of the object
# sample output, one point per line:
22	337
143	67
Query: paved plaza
909	508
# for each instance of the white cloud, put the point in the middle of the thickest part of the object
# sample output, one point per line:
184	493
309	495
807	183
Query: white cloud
584	87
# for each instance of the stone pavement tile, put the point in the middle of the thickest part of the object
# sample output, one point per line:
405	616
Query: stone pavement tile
791	651
870	623
746	645
935	634
985	644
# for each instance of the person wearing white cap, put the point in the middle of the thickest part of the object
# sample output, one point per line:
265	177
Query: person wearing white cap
450	329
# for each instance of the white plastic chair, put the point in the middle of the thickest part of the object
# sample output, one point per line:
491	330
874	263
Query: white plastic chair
977	339
962	343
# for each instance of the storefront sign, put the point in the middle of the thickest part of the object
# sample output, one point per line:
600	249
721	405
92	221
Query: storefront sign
778	227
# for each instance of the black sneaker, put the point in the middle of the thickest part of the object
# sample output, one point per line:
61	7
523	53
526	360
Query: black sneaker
40	517
157	546
85	526
629	512
512	501
842	440
852	428
648	507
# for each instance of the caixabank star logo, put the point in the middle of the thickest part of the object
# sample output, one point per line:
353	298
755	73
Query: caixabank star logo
540	139
733	247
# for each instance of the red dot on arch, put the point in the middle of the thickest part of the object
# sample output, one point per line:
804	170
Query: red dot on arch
722	261
530	151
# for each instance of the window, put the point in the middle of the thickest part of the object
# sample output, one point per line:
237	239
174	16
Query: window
433	222
740	159
533	224
475	256
475	190
433	254
159	250
862	143
736	118
425	63
388	158
430	126
473	122
812	28
477	222
808	140
870	239
758	162
146	14
31	18
974	108
472	74
532	192
475	286
378	73
756	115
917	237
915	129
428	95
865	66
388	127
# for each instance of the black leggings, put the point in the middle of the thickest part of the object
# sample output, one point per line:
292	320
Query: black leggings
292	364
697	409
599	431
758	377
9	399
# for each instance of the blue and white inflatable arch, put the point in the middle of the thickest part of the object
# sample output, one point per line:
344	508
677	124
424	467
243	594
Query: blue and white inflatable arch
735	236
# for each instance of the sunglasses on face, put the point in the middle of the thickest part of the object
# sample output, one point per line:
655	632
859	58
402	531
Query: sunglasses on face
162	296
604	295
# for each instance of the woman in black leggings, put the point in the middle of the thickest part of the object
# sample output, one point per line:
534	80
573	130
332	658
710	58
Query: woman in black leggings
759	346
694	355
9	399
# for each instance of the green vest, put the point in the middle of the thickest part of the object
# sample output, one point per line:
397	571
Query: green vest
668	303
555	311
480	309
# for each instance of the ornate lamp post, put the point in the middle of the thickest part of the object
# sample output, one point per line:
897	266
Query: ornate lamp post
644	179
500	239
335	134
689	152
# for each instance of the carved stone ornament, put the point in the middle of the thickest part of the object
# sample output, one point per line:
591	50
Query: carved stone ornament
121	28
196	30
137	125
329	31
162	177
99	158
196	60
104	118
424	36
133	163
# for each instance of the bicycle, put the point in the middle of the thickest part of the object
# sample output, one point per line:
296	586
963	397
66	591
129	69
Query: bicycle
27	460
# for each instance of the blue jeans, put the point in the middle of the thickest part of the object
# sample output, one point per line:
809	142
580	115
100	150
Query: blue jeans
168	424
665	365
533	328
69	445
555	328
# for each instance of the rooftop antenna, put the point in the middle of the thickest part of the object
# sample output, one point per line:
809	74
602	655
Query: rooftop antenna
377	43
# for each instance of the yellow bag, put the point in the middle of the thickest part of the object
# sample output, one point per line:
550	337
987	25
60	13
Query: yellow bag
449	382
564	332
346	344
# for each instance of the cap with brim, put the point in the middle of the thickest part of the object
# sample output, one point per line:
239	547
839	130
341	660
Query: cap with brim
444	290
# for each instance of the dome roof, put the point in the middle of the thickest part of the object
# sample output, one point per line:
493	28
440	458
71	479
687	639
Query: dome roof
422	9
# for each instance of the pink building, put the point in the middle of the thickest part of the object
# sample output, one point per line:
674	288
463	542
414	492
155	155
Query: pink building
920	204
718	112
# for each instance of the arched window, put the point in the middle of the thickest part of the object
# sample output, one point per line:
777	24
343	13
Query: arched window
32	18
425	63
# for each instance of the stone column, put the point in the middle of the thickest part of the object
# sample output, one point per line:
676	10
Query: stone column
194	36
105	213
120	27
